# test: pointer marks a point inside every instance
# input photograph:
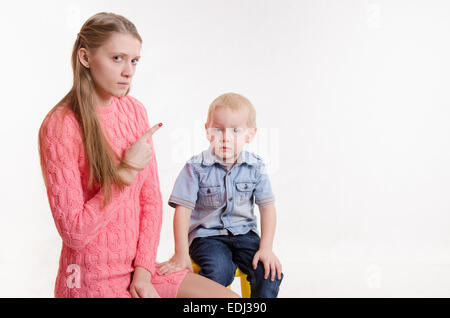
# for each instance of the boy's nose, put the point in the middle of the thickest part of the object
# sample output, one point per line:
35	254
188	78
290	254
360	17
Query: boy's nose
226	135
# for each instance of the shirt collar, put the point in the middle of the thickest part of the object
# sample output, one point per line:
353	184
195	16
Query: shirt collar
209	158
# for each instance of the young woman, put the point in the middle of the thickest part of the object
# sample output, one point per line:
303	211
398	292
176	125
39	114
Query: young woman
100	171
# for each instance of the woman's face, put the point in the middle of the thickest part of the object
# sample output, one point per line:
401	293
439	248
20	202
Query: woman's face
112	66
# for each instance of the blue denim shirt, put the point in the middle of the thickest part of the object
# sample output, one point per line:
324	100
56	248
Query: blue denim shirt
222	200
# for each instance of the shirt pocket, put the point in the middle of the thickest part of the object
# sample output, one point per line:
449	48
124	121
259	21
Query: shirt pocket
209	196
244	192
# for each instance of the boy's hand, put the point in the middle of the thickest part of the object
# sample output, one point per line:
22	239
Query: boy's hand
271	263
141	286
175	264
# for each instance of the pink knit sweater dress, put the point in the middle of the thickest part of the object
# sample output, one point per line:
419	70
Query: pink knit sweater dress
102	247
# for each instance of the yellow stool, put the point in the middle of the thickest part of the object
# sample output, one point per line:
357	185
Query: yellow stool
245	285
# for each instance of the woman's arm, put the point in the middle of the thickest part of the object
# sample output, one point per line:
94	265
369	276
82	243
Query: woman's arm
77	221
150	217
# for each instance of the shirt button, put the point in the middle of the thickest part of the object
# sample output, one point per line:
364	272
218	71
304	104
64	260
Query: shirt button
230	199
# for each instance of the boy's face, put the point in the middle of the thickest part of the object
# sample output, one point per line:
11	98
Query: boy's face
228	132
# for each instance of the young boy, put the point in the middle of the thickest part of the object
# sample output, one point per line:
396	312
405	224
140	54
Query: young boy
213	196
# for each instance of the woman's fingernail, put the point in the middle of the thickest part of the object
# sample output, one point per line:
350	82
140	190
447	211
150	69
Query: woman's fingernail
160	124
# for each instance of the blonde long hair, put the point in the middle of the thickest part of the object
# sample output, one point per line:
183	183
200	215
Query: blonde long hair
94	33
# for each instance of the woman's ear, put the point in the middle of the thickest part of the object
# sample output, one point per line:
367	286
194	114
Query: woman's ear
83	57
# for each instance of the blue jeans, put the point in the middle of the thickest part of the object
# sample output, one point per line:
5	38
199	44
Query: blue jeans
220	255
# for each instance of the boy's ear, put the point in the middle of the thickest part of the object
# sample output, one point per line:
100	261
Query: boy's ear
250	135
208	136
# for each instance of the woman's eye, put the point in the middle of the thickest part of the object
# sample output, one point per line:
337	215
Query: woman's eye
118	58
236	130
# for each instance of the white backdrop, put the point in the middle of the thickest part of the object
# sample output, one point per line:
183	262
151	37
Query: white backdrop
353	111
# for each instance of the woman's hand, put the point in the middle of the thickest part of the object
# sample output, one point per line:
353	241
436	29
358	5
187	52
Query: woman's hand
175	264
140	154
127	175
141	286
137	157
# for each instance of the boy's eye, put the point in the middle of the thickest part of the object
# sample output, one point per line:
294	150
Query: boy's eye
135	61
117	57
234	130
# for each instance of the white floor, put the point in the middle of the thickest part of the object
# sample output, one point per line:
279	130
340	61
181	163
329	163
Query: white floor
350	279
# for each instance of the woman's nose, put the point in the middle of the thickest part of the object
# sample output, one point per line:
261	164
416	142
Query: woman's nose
127	70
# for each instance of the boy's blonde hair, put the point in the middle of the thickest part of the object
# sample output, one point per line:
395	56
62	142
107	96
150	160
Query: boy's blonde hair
235	102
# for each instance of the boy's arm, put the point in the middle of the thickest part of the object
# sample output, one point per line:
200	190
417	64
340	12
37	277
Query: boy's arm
265	254
268	225
181	229
181	259
183	199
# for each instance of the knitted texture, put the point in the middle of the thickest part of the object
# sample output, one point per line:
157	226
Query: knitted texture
102	247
